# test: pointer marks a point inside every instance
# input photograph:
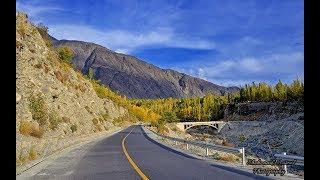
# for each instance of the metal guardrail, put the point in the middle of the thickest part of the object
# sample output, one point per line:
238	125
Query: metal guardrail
297	160
207	146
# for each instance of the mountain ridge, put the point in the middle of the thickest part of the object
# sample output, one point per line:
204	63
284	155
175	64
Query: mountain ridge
134	77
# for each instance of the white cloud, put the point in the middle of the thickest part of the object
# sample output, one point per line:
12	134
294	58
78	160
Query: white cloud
126	41
250	64
33	10
286	67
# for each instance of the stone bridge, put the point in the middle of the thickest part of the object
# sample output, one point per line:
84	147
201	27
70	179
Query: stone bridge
183	126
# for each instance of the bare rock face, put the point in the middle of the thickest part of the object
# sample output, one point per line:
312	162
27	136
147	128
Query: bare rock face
264	110
135	78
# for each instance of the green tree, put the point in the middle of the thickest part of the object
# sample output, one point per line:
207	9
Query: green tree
90	73
169	117
280	91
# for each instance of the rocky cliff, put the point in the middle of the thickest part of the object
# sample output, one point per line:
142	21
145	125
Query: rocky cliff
135	78
55	105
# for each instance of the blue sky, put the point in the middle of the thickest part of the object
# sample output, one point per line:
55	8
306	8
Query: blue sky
227	42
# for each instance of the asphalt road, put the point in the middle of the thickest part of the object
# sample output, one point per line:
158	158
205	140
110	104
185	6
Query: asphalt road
107	160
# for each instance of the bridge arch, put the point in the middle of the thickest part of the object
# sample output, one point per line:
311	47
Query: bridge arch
183	126
186	127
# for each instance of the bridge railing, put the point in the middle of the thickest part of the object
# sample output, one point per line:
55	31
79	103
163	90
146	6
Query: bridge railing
207	146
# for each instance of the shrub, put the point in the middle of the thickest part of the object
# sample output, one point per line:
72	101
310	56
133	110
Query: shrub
25	127
88	109
216	156
32	154
228	158
46	68
38	109
19	45
242	138
65	54
31	129
73	128
160	125
54	120
226	143
65	119
174	129
63	78
22	158
39	66
95	121
162	129
90	73
38	133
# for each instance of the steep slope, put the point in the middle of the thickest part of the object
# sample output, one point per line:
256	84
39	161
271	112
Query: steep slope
135	78
55	105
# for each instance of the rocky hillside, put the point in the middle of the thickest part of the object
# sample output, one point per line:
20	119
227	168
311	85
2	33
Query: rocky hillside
135	78
263	128
55	105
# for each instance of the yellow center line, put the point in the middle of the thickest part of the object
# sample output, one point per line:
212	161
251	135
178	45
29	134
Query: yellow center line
133	164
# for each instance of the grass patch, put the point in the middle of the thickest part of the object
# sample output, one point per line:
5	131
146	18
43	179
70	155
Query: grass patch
22	30
54	120
22	158
227	157
105	116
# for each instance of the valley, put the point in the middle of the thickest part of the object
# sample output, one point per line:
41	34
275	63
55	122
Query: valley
70	91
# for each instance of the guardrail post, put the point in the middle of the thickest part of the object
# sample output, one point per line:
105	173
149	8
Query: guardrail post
243	157
187	146
285	166
207	151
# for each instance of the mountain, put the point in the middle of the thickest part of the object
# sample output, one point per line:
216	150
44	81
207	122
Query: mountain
135	78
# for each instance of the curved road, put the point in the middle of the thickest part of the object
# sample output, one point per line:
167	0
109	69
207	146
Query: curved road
107	160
